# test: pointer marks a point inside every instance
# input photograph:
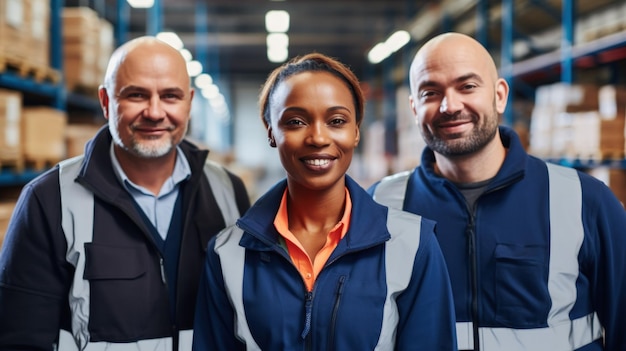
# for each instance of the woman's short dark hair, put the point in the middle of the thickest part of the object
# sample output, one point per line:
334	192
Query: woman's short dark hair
315	62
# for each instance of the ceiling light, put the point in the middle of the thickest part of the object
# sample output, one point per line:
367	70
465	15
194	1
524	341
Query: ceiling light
394	43
277	54
194	68
171	38
140	4
279	40
203	80
186	54
277	21
397	40
378	53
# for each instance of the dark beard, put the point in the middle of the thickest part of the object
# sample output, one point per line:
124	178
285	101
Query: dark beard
480	136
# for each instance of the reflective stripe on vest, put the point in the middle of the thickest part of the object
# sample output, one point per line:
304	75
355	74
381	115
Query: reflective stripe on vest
400	253
77	221
566	237
67	343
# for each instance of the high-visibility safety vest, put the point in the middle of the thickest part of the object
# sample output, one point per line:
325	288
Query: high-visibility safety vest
566	237
77	205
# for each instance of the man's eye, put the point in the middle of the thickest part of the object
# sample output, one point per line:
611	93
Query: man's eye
170	97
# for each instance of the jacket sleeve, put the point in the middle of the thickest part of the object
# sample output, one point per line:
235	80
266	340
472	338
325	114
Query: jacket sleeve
426	307
214	318
34	276
605	259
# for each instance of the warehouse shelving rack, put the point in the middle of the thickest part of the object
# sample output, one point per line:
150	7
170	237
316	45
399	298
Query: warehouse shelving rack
562	60
55	94
500	25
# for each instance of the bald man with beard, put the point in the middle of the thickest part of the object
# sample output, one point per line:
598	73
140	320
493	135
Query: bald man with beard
105	251
535	251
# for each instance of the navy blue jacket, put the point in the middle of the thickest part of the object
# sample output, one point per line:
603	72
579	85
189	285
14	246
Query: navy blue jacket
506	265
385	284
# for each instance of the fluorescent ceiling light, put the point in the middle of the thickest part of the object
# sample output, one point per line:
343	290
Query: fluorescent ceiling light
397	40
378	53
394	43
278	40
186	54
194	68
171	38
203	80
277	21
277	54
211	91
140	4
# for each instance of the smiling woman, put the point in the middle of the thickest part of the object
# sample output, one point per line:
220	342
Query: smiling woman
348	273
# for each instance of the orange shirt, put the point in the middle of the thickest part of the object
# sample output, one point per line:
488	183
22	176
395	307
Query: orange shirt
310	268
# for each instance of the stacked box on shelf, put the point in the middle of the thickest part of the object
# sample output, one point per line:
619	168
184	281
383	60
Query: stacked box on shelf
612	101
552	127
410	141
81	27
77	135
585	142
43	135
36	32
614	178
6	210
12	46
10	114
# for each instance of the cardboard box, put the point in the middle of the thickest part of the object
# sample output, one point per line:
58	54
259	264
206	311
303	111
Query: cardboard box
614	178
80	24
612	101
77	135
37	31
11	29
6	210
10	116
43	134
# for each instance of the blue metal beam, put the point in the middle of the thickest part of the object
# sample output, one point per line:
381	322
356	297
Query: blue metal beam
122	13
482	22
154	19
567	41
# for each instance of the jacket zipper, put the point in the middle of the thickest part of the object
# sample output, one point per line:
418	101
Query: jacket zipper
473	257
333	319
308	306
471	238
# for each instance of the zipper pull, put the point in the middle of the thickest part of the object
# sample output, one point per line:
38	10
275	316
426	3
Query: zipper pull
162	271
308	306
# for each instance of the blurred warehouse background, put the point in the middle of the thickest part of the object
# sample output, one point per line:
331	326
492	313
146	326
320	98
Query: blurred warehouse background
565	61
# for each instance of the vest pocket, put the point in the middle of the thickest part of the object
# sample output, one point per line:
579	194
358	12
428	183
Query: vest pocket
119	291
522	297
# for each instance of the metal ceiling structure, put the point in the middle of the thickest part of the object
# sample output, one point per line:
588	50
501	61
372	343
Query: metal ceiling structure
230	35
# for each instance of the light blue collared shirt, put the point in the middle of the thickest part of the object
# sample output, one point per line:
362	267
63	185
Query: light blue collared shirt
158	208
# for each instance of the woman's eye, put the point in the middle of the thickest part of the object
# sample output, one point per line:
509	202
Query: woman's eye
337	121
294	122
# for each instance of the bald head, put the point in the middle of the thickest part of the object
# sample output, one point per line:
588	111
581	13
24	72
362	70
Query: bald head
448	48
136	50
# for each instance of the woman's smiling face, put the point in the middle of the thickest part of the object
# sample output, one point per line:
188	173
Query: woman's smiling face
314	126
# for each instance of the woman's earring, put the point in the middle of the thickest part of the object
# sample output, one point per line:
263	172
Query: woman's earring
271	142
